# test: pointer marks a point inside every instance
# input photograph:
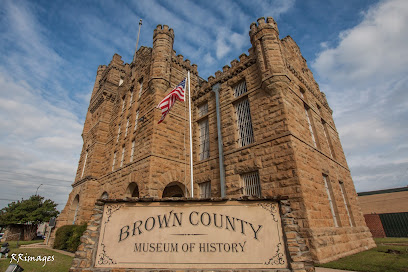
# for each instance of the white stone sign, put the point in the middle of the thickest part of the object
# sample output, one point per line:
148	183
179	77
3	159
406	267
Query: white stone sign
191	235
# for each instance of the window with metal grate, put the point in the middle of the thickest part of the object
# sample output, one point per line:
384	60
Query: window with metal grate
127	126
251	185
123	156
83	168
136	120
330	196
117	137
240	89
205	189
346	204
243	113
204	139
307	109
114	161
132	152
244	123
202	109
140	87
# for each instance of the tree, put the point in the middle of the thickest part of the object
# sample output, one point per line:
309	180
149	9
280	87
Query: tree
30	212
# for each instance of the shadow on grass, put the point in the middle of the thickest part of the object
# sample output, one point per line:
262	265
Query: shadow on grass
383	258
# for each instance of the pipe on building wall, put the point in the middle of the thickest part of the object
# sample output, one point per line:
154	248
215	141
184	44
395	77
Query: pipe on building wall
216	89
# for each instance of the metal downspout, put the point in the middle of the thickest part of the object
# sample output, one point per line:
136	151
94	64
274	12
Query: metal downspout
216	89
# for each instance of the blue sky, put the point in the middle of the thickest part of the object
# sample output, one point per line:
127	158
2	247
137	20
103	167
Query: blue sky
50	50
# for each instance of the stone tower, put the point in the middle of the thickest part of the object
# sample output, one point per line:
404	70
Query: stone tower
261	127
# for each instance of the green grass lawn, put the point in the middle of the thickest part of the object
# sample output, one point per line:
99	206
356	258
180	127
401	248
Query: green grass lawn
61	262
376	259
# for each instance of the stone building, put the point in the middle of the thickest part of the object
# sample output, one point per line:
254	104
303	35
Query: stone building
260	127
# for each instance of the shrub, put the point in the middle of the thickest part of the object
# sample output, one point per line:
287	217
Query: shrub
68	237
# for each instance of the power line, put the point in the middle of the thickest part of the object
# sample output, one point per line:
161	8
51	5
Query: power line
44	184
34	176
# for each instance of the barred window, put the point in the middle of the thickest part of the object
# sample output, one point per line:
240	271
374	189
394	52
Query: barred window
114	161
205	189
117	137
132	152
123	104
140	87
136	120
123	156
202	109
243	113
131	97
127	126
204	139
330	196
329	142
251	185
244	123
240	89
346	204
83	168
307	109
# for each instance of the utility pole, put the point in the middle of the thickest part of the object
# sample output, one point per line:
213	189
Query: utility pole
38	188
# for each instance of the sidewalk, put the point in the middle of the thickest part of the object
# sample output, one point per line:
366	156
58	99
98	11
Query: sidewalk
41	245
322	269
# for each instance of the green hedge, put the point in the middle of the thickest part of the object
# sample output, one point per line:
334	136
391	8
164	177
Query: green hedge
68	237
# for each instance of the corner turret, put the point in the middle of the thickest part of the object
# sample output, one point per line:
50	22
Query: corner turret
163	39
265	40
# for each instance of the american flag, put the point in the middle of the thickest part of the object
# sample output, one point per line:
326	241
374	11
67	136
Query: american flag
177	93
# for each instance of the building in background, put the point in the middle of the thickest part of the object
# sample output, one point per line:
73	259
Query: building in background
261	127
386	211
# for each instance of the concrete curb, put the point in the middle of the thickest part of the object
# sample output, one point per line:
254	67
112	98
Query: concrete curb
323	269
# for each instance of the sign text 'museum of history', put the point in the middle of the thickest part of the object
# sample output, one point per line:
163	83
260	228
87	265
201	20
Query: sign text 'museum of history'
207	235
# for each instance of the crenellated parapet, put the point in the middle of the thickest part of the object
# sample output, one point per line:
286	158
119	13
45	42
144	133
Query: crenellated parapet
108	78
163	30
297	66
226	74
163	39
184	63
267	48
263	27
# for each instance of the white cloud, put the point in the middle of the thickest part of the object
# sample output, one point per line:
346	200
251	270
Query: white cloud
222	48
39	132
209	59
38	138
372	47
364	78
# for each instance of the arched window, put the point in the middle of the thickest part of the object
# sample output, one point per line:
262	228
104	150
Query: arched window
174	189
105	195
132	190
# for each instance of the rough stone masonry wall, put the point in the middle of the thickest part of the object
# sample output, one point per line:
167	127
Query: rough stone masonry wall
283	152
326	241
299	258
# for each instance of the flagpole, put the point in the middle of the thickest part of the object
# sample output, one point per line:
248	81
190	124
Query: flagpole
191	137
137	41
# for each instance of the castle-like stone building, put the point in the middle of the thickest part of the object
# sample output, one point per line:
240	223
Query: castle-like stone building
261	127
